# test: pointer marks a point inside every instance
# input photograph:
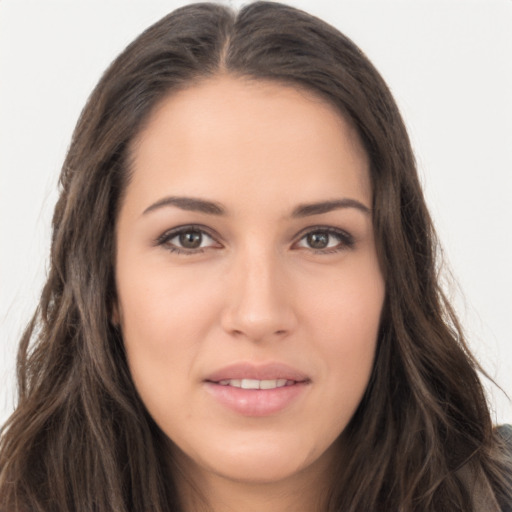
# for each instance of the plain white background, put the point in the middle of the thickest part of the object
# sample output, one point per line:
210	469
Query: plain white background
448	63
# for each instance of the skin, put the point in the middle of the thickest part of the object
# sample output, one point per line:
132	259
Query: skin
255	290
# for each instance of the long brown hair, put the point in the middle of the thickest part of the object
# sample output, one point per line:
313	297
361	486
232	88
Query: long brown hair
81	439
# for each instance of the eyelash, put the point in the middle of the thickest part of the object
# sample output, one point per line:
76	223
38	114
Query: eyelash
164	239
345	239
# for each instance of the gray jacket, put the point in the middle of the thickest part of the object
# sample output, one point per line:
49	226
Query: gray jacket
485	500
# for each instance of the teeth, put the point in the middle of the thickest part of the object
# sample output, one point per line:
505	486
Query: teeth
256	384
271	384
250	384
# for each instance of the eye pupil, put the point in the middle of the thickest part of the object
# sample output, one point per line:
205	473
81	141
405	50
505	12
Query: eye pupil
318	240
191	239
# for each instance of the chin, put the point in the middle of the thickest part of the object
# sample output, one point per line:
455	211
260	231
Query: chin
257	459
260	470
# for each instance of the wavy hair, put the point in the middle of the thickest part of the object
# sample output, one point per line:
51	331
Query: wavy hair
80	438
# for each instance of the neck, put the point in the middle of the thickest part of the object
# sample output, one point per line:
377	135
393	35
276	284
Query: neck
204	491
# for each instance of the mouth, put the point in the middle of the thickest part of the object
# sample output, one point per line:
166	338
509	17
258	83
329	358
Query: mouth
257	384
257	391
257	376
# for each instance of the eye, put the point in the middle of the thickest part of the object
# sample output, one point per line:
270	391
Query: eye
187	240
325	240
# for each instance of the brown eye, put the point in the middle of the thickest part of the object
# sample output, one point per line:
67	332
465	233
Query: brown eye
326	240
318	240
190	239
187	240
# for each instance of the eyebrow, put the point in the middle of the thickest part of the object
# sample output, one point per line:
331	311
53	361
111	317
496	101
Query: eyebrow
188	203
211	208
305	210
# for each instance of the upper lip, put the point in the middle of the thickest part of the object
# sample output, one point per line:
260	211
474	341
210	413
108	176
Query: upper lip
268	371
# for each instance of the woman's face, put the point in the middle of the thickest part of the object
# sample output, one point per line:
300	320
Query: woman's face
249	291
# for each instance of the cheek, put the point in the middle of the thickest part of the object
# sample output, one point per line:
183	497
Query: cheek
163	321
347	305
344	319
159	304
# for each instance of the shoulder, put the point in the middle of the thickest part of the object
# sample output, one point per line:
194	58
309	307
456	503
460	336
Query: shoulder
504	433
478	484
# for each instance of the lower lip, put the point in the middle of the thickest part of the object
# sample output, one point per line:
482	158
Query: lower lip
256	402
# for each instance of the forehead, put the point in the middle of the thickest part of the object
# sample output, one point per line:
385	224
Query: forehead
252	137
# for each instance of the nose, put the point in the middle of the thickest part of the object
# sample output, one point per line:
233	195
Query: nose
259	300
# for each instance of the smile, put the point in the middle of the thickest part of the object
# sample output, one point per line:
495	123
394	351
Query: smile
257	390
256	384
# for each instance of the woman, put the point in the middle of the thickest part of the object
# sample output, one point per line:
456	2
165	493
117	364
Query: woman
242	310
